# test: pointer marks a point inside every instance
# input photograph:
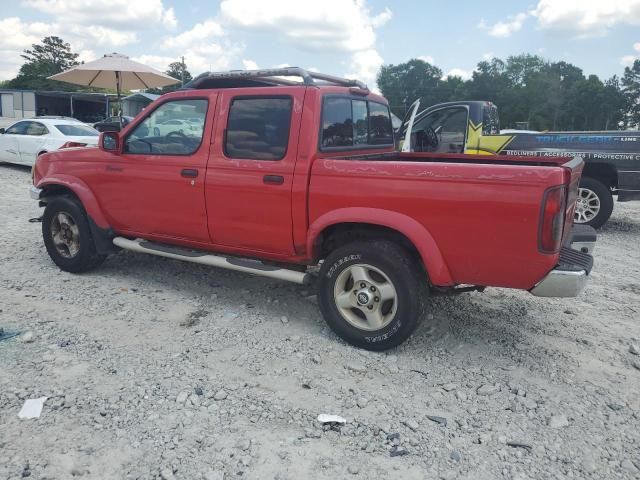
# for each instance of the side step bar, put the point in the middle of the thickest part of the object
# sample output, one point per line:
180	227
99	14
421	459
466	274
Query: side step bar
205	258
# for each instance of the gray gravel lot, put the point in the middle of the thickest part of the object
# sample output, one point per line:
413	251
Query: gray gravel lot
155	368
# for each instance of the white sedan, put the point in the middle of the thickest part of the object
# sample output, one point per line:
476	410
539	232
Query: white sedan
179	126
23	141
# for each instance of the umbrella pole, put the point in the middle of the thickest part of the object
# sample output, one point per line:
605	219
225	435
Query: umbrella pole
119	103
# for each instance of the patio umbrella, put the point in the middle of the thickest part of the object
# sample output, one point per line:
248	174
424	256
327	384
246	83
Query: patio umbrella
115	71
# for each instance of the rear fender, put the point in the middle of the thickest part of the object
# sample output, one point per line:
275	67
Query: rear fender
418	235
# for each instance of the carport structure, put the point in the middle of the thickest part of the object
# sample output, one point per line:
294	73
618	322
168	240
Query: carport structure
85	106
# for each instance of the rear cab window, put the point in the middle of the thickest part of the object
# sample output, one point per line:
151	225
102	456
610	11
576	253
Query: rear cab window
258	127
350	123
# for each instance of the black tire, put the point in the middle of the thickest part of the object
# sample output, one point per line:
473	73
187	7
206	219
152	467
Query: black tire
401	271
603	192
86	258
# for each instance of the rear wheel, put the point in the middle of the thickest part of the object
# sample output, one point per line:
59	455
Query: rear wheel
594	204
67	236
371	294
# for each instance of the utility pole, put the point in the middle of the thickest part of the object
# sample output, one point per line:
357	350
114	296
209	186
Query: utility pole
182	73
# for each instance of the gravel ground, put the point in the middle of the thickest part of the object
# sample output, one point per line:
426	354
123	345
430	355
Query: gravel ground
155	368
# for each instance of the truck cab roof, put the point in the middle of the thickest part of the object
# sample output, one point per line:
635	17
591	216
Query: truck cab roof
274	77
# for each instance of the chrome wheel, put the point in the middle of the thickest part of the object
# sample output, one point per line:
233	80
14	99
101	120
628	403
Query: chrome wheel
365	297
587	205
65	235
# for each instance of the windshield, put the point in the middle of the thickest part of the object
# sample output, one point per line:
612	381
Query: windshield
77	131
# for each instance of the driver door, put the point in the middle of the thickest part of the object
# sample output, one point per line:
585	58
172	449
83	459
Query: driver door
155	186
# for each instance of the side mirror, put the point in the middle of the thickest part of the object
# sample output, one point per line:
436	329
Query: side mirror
110	142
2	130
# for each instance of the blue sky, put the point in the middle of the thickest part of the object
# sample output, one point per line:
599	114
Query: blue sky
343	37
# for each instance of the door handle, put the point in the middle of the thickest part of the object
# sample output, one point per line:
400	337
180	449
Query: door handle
189	172
273	179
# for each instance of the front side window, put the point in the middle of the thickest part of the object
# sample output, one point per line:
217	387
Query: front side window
349	122
19	128
442	131
36	129
167	132
258	128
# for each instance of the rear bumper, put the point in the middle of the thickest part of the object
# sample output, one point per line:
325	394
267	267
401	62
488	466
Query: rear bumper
559	283
569	277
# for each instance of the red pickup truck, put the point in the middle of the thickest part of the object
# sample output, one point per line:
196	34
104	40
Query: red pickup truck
252	171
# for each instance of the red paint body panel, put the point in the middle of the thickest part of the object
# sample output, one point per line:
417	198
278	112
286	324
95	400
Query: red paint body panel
473	219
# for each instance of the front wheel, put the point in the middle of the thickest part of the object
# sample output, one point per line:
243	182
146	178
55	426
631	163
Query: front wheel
67	236
594	204
371	294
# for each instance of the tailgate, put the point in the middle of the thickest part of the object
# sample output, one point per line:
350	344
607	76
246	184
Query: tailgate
573	172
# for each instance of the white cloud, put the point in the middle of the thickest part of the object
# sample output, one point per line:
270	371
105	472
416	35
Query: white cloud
201	32
488	56
426	58
382	18
169	18
18	35
505	28
586	18
339	25
581	18
365	66
459	72
249	65
113	13
628	60
345	26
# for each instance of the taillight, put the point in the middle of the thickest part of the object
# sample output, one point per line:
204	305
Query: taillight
73	144
552	219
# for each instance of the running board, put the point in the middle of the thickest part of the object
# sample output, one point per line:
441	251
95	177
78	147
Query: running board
255	267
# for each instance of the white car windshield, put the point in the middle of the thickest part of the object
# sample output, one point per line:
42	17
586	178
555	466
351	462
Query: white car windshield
77	131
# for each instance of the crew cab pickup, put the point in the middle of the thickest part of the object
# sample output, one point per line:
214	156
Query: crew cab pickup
612	159
278	177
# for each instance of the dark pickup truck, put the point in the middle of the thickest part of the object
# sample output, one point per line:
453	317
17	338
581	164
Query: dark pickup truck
612	159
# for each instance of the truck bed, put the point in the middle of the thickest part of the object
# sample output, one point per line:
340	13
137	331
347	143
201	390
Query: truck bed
482	212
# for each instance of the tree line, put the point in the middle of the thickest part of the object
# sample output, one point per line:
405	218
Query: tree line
527	89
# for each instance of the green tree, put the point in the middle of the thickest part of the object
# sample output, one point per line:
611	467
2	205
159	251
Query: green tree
174	70
52	55
631	92
404	83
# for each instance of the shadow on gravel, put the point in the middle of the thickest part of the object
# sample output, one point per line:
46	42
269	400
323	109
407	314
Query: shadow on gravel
15	168
620	226
499	327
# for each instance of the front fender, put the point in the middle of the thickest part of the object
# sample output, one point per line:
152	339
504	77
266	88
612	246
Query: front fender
82	191
418	235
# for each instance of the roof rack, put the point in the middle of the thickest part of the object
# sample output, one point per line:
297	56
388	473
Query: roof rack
268	77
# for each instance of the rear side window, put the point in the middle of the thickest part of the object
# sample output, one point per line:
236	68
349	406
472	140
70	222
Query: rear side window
354	123
258	128
380	129
77	131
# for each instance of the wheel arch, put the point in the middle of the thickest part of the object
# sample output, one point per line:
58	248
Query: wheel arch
65	185
602	172
341	226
